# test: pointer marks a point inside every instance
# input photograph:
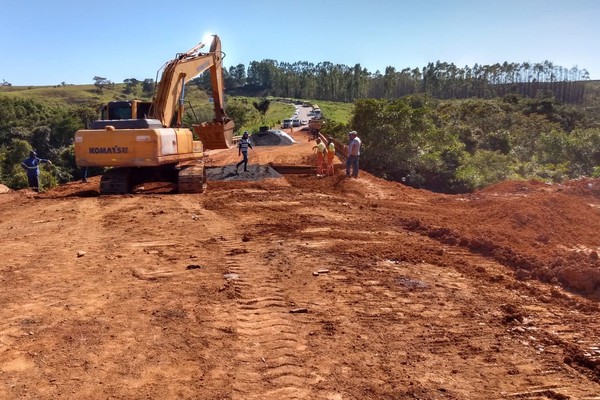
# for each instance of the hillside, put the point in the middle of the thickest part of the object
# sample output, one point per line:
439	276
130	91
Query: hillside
155	295
73	95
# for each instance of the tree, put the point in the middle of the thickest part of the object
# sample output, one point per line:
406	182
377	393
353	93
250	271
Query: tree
148	87
262	106
237	76
63	130
203	81
130	85
102	83
40	139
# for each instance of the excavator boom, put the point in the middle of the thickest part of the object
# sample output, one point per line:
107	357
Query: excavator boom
168	106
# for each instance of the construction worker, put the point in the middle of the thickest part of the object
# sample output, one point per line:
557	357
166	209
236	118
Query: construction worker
330	156
30	165
243	145
321	150
353	154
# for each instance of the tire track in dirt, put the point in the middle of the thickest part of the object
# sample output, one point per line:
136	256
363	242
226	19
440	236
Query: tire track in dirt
268	351
267	339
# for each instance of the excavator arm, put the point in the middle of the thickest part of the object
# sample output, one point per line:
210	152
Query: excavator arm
167	105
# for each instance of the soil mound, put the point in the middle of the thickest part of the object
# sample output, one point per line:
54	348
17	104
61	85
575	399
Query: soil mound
300	287
273	137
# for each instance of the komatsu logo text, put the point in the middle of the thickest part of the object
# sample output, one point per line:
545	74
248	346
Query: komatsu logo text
108	150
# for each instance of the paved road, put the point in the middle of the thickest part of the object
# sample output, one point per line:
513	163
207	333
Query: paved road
302	112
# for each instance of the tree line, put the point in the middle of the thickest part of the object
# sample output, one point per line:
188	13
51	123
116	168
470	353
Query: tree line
342	83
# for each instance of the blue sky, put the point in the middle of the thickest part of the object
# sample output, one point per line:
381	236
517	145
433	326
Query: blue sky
49	42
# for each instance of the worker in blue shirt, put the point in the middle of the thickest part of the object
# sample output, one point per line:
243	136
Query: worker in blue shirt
30	165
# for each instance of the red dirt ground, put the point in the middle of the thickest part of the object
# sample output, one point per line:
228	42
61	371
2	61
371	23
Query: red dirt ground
218	296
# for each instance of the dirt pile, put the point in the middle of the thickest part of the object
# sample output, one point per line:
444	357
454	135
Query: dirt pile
403	293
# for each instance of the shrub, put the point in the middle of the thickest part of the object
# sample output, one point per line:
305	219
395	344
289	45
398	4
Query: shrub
484	168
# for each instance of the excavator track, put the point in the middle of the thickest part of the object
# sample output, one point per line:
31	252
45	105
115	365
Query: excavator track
116	181
192	179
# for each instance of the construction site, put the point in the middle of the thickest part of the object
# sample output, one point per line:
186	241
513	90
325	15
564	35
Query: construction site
278	284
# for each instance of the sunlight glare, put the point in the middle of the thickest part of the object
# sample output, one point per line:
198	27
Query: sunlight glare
207	39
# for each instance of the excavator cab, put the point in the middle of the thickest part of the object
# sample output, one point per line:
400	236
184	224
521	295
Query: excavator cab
130	109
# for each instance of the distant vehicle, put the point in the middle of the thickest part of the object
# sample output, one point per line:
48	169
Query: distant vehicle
303	121
287	123
295	122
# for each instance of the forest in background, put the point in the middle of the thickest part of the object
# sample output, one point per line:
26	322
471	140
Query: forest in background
442	128
440	80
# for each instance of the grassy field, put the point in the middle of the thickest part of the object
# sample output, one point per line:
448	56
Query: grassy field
198	107
336	112
67	95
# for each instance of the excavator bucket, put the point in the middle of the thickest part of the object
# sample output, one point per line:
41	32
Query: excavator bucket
215	135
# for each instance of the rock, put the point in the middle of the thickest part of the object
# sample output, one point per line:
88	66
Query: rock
315	273
299	310
80	253
323	271
4	189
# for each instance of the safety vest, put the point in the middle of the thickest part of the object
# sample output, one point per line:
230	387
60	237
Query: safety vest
330	151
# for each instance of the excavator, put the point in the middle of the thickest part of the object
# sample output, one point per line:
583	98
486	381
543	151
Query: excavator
144	141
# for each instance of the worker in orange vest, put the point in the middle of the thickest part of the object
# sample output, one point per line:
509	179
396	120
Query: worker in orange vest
330	156
321	150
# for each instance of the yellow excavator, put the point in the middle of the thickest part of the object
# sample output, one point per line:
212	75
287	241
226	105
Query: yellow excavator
145	142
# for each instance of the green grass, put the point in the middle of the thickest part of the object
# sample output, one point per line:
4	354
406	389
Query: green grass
336	112
70	95
278	112
75	95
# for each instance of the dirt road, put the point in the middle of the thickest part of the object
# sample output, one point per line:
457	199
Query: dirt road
219	296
